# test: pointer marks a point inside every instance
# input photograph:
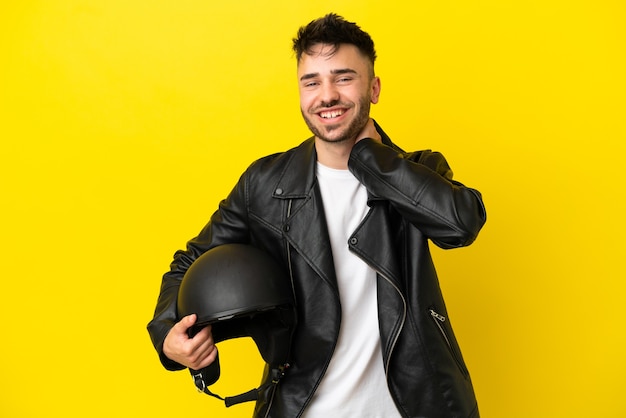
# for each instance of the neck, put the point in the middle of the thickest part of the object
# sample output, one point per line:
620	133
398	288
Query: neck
333	154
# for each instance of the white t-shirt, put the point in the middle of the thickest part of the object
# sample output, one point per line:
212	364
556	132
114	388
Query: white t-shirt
354	384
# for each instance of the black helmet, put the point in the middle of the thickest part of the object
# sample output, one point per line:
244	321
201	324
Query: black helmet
242	292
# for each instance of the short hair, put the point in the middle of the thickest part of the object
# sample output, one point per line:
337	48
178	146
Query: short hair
334	30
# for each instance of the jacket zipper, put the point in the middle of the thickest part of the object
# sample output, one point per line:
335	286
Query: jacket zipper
394	341
271	401
293	290
439	319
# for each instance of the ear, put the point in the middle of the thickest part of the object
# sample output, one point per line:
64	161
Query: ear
375	90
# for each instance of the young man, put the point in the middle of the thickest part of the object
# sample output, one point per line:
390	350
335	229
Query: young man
349	215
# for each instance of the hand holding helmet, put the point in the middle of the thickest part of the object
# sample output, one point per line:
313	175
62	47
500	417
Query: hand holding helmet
195	353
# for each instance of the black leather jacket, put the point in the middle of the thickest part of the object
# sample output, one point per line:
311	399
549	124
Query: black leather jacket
276	206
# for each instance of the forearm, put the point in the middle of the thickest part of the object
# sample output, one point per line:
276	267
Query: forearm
420	187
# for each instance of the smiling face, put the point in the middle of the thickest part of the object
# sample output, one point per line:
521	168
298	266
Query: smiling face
336	87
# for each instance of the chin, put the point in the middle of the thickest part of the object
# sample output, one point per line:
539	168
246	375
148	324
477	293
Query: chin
333	135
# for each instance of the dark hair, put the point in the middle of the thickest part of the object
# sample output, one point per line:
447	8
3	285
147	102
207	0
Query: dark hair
334	30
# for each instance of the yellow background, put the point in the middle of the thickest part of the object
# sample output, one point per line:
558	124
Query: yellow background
123	123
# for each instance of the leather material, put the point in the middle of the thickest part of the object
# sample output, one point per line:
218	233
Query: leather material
276	206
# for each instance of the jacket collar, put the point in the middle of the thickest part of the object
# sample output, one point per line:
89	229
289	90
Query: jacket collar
298	176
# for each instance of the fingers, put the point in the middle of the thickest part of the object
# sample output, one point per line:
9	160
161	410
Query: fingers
184	324
204	350
197	352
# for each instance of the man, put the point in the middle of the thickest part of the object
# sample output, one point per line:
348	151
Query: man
349	215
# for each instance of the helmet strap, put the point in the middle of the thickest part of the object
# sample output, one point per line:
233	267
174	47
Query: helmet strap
276	374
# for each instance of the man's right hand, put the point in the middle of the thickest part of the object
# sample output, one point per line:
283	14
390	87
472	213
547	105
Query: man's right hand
197	352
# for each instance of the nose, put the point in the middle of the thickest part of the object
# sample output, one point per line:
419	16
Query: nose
329	95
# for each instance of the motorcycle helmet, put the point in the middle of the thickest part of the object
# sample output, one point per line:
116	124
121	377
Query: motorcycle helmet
240	291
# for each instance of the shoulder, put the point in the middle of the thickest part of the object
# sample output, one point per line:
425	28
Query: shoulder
431	159
276	164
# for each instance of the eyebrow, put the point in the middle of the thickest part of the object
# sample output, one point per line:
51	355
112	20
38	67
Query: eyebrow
334	72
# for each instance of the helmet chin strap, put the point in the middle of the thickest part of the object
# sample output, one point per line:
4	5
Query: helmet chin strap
199	379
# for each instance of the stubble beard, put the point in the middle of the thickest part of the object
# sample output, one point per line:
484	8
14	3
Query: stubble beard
350	132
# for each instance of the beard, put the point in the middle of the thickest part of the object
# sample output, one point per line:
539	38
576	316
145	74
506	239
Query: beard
334	133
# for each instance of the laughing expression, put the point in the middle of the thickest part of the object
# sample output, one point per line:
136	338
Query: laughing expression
336	90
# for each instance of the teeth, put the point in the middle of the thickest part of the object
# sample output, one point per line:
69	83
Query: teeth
331	114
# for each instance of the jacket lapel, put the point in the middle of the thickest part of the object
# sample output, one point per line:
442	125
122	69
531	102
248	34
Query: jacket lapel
304	226
378	247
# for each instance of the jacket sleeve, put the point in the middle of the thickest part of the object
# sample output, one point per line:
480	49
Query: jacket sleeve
228	224
419	186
